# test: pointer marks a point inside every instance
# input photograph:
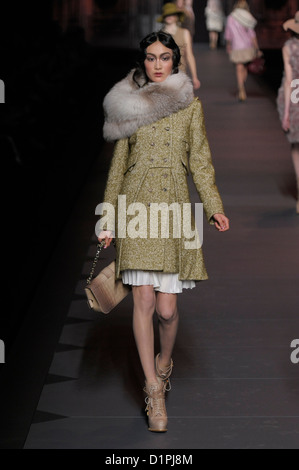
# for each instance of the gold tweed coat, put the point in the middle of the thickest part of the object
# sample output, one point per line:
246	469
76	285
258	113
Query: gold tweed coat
160	138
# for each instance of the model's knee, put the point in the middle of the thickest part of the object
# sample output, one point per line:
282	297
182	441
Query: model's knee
167	314
144	299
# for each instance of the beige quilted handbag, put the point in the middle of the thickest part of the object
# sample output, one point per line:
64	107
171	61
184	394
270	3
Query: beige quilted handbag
104	292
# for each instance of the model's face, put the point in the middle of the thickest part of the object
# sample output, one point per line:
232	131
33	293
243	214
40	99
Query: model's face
158	62
171	19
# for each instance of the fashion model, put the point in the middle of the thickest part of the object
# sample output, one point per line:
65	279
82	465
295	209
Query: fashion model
287	100
241	42
159	133
186	6
172	18
214	21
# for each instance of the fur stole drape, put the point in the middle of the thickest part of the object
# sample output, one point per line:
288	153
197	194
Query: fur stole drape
128	107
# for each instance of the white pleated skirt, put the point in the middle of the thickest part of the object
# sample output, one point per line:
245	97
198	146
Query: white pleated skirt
167	283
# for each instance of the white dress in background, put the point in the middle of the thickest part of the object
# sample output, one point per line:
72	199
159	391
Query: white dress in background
214	16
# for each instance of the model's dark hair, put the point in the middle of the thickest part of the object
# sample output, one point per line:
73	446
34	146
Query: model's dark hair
241	4
167	40
293	34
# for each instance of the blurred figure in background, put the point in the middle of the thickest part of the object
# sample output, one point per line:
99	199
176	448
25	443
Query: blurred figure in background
288	108
186	6
171	18
242	45
214	21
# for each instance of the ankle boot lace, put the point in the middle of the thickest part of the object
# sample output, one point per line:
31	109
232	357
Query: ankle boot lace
164	374
155	401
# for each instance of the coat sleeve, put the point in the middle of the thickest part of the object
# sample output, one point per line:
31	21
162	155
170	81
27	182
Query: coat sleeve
113	186
201	166
228	33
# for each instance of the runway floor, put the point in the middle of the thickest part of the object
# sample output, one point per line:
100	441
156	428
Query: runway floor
74	380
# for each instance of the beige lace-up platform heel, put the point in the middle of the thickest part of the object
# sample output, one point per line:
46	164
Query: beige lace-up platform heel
156	409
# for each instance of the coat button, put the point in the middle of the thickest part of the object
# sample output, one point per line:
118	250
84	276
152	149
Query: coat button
153	144
167	128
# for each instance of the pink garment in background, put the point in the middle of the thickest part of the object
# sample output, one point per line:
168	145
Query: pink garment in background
239	36
293	134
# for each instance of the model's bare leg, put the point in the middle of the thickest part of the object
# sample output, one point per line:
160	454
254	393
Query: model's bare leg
166	307
144	308
213	39
241	72
245	74
295	157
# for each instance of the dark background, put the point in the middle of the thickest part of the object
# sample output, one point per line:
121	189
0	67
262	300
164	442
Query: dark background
55	80
50	136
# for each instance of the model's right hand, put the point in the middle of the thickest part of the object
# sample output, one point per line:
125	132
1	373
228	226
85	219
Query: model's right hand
107	236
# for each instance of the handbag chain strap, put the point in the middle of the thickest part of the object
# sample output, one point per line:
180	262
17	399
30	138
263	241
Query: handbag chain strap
96	259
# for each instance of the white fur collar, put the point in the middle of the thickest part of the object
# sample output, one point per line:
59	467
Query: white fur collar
128	107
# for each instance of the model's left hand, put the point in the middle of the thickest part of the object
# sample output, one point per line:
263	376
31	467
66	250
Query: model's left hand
196	83
221	222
